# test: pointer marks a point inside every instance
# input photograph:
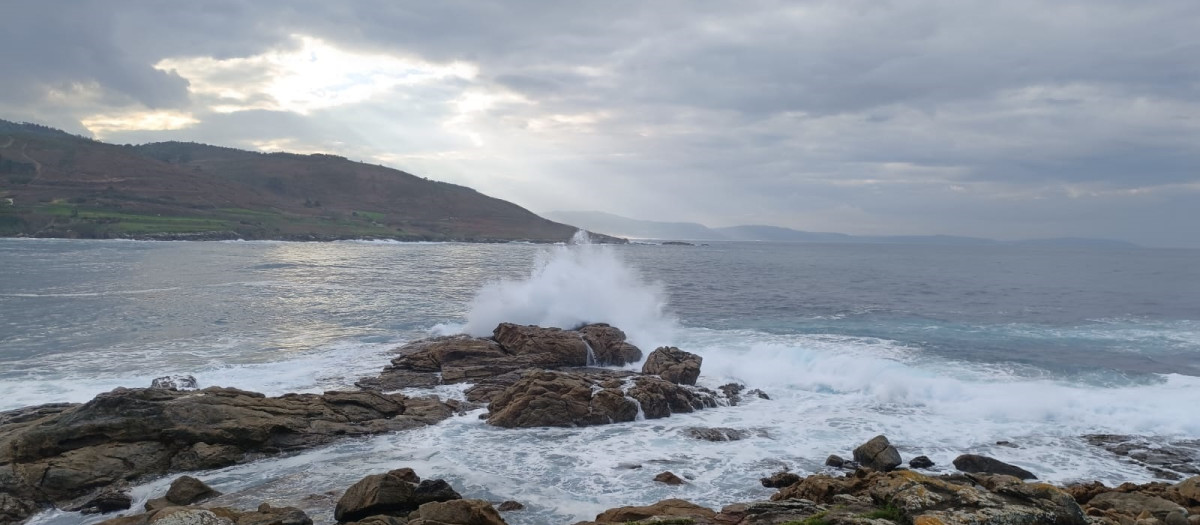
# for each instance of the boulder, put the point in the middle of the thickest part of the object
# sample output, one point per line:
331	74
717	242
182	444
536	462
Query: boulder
609	347
834	461
187	490
549	347
456	512
669	508
1187	492
779	480
920	462
878	454
1133	504
509	506
669	478
390	493
984	464
130	433
674	365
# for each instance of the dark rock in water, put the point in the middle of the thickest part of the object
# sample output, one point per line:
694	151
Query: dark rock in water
920	462
131	433
509	506
834	461
1008	444
179	382
674	365
669	478
732	392
984	464
758	393
390	494
185	490
779	480
878	454
1172	460
716	433
105	502
629	466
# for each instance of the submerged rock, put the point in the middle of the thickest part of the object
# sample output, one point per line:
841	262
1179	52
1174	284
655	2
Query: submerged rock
984	464
878	454
669	478
177	382
779	480
920	462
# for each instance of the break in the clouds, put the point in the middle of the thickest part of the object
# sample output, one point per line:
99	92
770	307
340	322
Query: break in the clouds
1001	119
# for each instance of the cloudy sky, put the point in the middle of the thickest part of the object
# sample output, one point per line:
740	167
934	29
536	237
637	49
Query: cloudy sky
1012	119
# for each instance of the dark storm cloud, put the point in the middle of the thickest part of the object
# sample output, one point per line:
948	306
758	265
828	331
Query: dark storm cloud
994	118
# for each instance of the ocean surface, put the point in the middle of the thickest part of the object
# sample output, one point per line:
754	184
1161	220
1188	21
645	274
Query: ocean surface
945	349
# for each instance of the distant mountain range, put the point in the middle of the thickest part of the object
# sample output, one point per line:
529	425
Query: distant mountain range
54	184
617	225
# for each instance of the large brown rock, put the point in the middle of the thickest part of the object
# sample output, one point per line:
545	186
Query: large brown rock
131	433
1134	503
548	347
544	398
457	512
1187	492
609	347
676	508
264	515
390	493
878	454
674	365
660	398
931	500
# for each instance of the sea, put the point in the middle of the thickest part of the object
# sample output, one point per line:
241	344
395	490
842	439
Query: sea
945	349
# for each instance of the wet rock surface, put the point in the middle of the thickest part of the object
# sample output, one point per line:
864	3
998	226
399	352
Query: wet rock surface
1173	461
975	463
56	454
674	365
878	454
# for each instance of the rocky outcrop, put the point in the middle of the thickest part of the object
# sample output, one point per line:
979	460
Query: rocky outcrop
393	493
456	512
878	454
1173	461
670	508
185	490
60	453
779	480
546	398
983	464
512	348
674	365
719	433
191	515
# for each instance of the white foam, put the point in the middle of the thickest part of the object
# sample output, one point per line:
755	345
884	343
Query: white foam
570	285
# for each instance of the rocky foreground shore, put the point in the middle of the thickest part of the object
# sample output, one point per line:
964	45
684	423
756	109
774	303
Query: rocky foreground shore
84	457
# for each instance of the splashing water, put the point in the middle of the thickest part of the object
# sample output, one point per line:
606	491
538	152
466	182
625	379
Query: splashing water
572	285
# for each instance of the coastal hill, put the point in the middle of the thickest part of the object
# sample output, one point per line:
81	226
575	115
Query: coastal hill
54	184
689	231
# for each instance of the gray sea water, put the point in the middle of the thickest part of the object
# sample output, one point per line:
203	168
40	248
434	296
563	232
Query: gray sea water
946	349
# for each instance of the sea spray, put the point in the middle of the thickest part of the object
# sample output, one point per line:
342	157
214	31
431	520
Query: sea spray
572	285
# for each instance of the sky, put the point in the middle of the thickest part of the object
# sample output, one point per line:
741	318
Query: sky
1008	120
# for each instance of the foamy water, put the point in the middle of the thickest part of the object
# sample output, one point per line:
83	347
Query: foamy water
837	377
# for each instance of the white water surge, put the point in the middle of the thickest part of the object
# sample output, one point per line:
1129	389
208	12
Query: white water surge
829	392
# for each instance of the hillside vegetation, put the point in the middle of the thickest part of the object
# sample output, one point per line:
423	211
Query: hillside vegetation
54	184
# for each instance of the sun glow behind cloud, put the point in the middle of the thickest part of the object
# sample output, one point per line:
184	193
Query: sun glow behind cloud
107	123
309	76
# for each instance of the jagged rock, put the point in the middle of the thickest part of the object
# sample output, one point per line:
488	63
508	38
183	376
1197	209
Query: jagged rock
660	398
177	382
674	365
732	392
550	347
192	517
716	433
779	480
129	433
771	512
669	478
878	454
984	464
456	512
390	493
509	506
664	509
1173	460
834	461
930	500
1084	492
920	462
759	393
106	501
609	346
1187	492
